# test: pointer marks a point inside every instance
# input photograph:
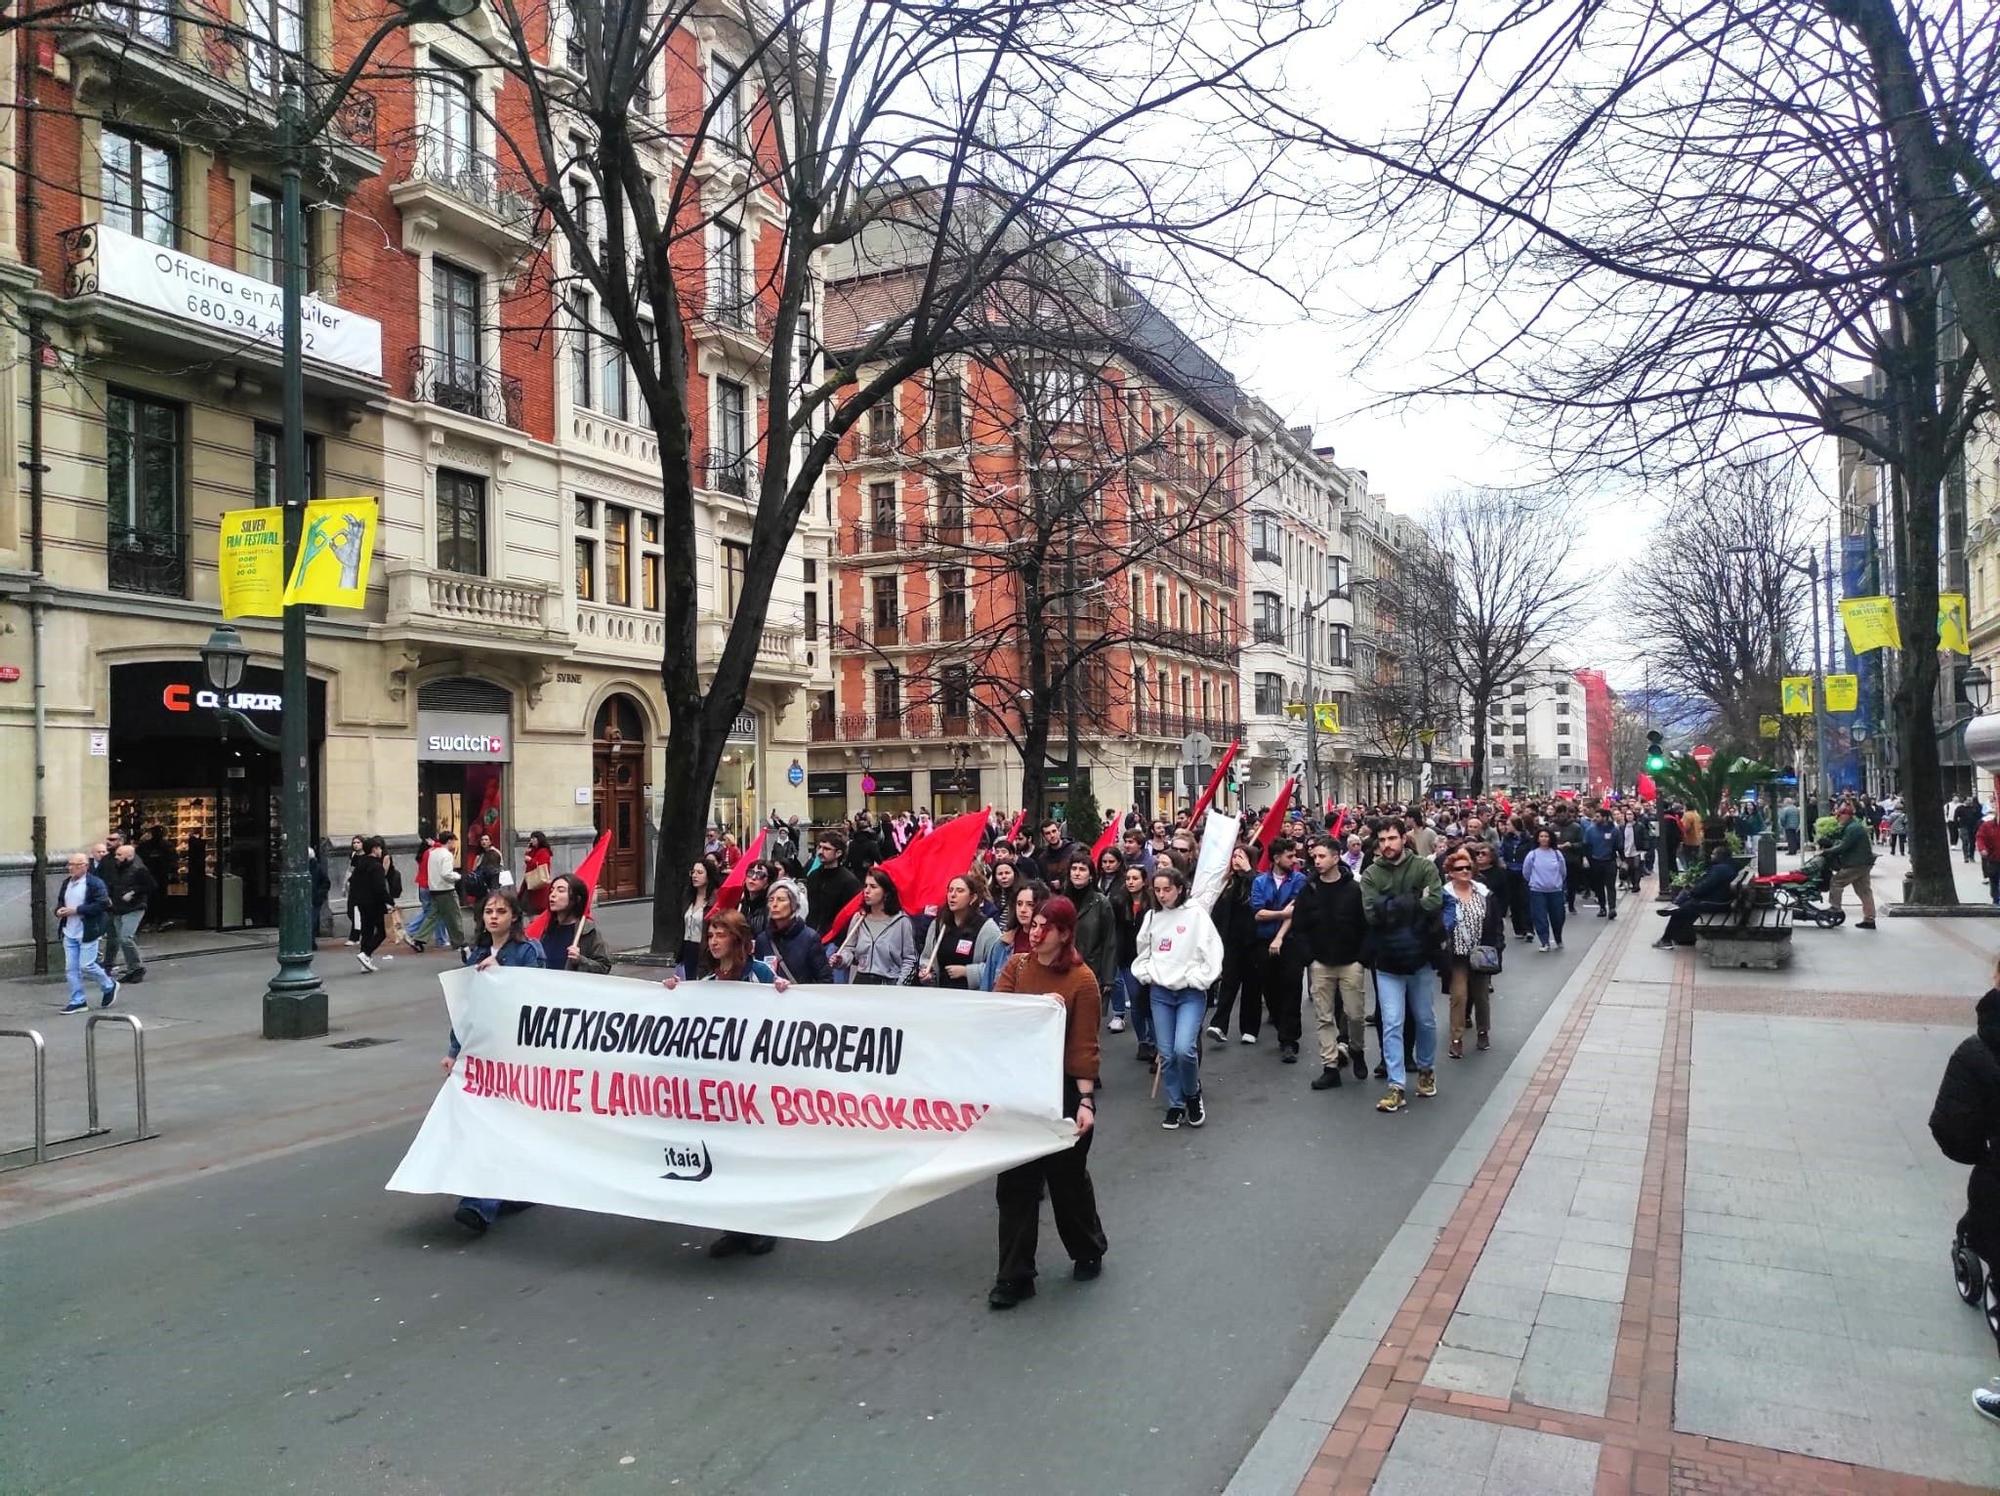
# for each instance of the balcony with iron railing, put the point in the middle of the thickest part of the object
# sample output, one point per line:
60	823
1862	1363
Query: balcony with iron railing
466	388
738	324
219	85
1154	722
149	561
907	629
925	720
720	470
463	191
1205	646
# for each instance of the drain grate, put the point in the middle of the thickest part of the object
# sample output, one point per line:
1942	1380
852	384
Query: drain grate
359	1043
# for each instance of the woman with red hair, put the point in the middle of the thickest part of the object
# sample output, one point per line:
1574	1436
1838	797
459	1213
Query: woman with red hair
1052	965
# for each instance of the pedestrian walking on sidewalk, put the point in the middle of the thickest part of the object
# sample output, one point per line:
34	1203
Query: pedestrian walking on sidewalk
1986	841
1053	966
1965	1121
1970	814
1473	926
131	888
1899	832
1329	924
503	941
357	850
1546	871
1403	900
1852	855
83	912
1602	845
368	892
1178	955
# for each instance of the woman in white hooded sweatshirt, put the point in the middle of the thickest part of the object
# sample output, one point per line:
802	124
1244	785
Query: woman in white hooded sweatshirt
1178	958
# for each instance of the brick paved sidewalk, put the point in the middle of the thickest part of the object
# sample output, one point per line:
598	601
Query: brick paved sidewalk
1698	1243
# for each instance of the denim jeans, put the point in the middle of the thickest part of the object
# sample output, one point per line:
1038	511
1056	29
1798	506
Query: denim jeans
429	921
1139	1006
1177	1016
1549	914
489	1210
118	941
80	961
1122	992
1413	997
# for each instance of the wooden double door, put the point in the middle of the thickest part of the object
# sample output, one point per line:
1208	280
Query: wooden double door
619	802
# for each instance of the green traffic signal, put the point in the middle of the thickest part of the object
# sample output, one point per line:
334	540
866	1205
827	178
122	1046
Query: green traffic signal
1655	762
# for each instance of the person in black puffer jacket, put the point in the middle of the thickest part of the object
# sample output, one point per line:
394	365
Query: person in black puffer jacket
1242	984
1965	1121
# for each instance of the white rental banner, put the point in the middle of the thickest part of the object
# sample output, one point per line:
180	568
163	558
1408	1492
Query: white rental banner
807	1113
1211	866
223	300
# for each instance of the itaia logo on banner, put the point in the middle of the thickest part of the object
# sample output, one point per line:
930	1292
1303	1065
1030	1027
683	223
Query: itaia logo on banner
807	1113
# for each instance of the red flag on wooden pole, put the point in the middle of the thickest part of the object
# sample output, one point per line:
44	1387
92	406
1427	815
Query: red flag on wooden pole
1214	784
922	870
1274	822
588	870
731	893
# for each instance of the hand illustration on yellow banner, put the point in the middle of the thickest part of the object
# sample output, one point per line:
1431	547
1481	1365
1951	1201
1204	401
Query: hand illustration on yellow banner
1797	695
1951	623
334	552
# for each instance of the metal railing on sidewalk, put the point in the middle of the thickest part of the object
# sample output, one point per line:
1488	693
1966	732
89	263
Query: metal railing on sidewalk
38	1151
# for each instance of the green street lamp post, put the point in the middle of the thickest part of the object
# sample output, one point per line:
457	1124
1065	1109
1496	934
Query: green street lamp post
295	1002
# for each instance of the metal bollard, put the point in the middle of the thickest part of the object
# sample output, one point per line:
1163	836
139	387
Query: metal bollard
41	1088
138	1067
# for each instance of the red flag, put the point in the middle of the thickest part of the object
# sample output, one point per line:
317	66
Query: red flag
1273	823
1339	825
1214	784
588	869
1106	839
1014	830
731	893
922	870
1647	789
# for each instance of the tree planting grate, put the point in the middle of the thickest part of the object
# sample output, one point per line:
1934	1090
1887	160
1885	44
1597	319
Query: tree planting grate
359	1043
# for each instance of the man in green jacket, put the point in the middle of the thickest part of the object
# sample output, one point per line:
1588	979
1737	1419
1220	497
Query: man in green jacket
1853	858
1401	896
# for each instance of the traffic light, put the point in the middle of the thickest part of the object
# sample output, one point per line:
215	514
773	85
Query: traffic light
1656	756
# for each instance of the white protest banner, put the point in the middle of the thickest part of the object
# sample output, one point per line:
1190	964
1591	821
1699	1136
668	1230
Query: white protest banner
1211	865
808	1113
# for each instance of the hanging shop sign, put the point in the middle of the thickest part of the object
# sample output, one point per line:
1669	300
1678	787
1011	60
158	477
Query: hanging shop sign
463	737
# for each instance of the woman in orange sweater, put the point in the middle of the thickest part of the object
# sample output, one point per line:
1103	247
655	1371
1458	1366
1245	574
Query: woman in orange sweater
1053	965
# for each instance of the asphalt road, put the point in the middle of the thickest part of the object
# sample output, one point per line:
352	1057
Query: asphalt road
291	1326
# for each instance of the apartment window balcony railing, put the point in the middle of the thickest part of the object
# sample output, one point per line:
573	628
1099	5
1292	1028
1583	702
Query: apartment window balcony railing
1267	633
148	561
470	389
735	314
733	473
1265	553
447	165
825	726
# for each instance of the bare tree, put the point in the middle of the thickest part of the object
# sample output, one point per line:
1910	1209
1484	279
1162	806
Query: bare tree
1668	259
1717	602
992	136
1499	567
1412	698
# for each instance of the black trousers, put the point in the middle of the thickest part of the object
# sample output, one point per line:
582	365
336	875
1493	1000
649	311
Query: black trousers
1242	986
1604	873
1072	1199
1282	977
373	931
1517	903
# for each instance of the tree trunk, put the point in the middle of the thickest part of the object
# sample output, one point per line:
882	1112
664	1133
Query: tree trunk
1931	878
695	756
1477	785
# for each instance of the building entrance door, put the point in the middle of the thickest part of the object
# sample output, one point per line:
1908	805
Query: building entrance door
619	797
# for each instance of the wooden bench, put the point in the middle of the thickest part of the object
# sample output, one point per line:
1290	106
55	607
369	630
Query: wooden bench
1752	933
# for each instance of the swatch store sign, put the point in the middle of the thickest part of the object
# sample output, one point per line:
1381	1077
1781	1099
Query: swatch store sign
463	737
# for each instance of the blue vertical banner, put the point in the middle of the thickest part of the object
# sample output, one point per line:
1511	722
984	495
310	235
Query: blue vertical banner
1846	761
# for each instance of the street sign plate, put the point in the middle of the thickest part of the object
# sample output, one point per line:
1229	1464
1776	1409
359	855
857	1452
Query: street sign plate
1193	775
1703	755
1195	748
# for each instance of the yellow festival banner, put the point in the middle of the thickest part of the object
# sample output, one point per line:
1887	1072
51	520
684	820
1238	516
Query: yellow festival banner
1767	727
250	563
1798	698
1328	713
334	552
1843	693
1951	623
1871	623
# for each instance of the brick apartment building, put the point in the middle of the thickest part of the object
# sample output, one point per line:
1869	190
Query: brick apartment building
515	593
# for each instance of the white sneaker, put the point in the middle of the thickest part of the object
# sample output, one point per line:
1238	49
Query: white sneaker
1217	1034
1117	1024
1545	945
385	956
366	964
1249	1038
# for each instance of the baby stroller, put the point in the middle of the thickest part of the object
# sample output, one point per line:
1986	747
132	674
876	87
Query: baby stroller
1804	893
1974	1278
